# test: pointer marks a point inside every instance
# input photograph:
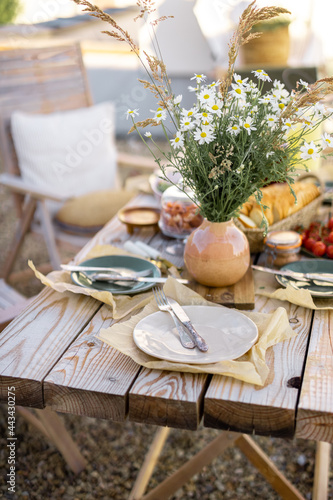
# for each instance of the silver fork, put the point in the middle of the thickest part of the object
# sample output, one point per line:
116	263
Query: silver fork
163	305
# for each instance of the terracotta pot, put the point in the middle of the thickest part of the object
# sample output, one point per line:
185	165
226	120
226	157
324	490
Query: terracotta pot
217	253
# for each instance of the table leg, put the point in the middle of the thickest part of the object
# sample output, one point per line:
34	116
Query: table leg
321	474
49	423
149	463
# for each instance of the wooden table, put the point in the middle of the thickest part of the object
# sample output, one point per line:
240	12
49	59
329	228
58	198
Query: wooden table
51	356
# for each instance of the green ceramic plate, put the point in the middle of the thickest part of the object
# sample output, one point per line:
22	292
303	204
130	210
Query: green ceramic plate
309	266
117	261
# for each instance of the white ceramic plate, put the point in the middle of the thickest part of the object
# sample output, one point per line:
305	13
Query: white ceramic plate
228	333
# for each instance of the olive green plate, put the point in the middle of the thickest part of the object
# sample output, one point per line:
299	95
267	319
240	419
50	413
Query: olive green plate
309	266
116	261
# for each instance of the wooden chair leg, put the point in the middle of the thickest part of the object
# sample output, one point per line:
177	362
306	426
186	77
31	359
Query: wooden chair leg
321	474
149	463
49	236
171	484
21	230
49	423
266	467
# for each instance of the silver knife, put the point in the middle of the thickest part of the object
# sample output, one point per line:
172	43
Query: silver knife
70	267
116	277
182	316
298	276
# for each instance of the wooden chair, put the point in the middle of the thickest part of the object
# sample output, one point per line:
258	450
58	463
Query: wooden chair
42	80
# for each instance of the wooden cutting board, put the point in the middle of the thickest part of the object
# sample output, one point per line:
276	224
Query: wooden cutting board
240	295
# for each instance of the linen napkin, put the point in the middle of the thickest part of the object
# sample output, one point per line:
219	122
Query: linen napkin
251	367
263	285
121	305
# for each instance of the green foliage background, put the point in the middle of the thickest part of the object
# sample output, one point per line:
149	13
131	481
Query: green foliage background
9	10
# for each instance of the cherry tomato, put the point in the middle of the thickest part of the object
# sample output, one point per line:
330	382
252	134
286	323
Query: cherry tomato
329	251
309	243
330	237
319	248
330	223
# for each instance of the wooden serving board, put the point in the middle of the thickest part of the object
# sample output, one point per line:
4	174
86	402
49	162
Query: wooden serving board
240	295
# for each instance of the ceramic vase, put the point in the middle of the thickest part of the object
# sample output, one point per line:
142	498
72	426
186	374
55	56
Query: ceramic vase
217	254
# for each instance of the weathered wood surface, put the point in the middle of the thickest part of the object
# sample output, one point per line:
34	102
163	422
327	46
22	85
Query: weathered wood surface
239	296
172	399
315	408
35	340
91	378
270	410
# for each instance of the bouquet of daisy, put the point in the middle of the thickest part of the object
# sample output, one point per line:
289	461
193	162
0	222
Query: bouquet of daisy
235	139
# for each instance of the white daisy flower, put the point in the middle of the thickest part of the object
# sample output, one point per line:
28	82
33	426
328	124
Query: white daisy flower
278	85
131	113
327	140
271	120
178	99
204	135
148	134
199	78
308	123
237	91
239	81
193	89
288	125
215	108
303	83
178	141
278	106
234	129
265	99
187	113
186	124
309	151
206	95
261	75
248	125
159	115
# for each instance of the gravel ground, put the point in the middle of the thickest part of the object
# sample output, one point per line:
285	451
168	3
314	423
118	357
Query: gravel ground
115	452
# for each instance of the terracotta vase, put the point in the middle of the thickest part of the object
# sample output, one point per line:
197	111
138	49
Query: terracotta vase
217	253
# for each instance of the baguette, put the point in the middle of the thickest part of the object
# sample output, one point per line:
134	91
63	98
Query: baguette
281	202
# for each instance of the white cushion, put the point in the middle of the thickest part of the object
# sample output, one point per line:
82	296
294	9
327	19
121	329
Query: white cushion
71	152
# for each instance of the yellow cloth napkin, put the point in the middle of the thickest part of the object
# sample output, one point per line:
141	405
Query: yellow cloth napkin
251	367
121	305
263	285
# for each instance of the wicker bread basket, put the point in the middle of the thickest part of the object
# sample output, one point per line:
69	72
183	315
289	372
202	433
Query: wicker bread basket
302	217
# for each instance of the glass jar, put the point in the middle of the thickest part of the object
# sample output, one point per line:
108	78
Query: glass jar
282	247
179	215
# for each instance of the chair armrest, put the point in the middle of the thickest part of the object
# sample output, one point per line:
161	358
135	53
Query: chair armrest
144	163
18	185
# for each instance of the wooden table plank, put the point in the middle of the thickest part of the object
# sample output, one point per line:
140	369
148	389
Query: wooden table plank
91	378
170	399
270	410
315	408
35	340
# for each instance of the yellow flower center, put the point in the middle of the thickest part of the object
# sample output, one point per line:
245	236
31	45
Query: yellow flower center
205	114
199	76
239	91
205	122
328	141
190	113
215	107
203	134
159	115
159	109
310	151
177	139
206	96
281	105
234	127
246	125
270	119
259	71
